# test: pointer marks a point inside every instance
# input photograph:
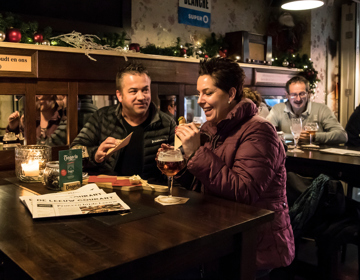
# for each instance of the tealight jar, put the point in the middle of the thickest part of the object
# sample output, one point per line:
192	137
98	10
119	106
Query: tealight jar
30	162
51	176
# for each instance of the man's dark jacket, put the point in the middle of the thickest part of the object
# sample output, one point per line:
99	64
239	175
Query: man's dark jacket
108	121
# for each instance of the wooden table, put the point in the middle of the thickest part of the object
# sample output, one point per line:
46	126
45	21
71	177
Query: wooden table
314	162
174	239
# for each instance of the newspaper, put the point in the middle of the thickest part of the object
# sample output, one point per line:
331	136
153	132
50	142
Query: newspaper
88	199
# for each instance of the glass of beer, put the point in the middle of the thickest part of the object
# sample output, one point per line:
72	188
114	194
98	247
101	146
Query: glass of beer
170	162
311	127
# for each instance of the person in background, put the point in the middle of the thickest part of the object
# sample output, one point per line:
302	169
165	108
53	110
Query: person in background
168	105
299	105
51	121
135	113
86	108
353	128
255	97
242	160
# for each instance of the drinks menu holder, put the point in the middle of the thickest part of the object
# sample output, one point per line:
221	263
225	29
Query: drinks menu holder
123	183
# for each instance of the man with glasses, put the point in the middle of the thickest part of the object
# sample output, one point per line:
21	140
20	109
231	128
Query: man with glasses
299	105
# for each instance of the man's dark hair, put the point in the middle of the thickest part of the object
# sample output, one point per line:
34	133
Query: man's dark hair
295	80
226	73
131	68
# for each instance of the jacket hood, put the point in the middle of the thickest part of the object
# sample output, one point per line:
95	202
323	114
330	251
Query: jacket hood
243	111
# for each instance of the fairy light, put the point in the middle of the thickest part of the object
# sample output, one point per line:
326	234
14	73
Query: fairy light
272	59
237	57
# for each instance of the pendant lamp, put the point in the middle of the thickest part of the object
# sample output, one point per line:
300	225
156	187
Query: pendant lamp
297	5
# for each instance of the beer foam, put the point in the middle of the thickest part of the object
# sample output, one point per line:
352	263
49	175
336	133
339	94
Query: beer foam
170	156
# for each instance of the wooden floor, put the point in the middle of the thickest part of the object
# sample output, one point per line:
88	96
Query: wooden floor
308	261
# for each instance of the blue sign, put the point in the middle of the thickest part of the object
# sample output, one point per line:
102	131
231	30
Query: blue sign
195	12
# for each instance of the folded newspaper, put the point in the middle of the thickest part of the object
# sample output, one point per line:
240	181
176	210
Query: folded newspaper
88	199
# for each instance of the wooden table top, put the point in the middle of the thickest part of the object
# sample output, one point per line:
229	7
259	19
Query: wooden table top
314	162
149	247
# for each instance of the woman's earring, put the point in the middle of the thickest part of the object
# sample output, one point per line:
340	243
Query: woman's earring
229	101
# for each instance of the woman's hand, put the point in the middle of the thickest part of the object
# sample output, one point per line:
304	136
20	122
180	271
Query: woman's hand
14	120
103	148
189	135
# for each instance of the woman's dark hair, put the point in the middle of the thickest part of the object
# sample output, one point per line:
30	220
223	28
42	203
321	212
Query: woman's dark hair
295	80
226	73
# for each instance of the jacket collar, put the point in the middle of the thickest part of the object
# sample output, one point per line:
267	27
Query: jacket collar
243	111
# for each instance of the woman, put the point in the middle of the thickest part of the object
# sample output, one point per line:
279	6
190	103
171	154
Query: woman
242	159
255	97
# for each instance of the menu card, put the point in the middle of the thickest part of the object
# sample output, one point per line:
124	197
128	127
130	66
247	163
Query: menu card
70	165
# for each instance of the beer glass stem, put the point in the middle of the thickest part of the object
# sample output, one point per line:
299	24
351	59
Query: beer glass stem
170	179
310	139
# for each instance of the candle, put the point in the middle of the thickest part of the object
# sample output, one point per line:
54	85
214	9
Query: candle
31	168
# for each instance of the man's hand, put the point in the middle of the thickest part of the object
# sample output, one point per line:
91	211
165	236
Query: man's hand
14	120
103	148
304	137
189	135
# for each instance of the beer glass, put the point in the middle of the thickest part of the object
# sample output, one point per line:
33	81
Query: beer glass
311	127
170	162
296	128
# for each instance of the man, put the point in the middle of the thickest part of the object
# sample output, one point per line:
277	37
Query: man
135	113
299	105
168	105
51	121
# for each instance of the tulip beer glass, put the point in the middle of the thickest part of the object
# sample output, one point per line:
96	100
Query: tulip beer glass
311	127
170	162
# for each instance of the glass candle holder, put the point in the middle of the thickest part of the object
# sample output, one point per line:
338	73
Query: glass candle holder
51	176
30	162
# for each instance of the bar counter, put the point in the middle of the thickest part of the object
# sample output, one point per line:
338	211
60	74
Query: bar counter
151	242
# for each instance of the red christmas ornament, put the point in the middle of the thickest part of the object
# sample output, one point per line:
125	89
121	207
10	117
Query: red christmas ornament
13	35
38	37
206	56
182	51
134	46
223	53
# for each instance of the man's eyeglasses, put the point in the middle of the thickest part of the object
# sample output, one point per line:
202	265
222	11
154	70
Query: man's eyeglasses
295	95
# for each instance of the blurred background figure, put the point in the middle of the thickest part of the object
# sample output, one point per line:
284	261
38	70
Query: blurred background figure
86	108
51	120
255	97
168	105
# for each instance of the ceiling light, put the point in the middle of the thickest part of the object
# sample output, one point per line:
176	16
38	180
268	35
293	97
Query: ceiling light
301	4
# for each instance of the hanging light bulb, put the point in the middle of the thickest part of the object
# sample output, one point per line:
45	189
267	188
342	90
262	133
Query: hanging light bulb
296	5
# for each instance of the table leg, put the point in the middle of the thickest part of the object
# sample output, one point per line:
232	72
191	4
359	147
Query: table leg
241	264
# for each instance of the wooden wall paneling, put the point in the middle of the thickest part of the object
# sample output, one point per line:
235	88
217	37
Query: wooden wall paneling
72	111
12	88
52	87
77	66
180	102
30	114
97	88
190	90
154	87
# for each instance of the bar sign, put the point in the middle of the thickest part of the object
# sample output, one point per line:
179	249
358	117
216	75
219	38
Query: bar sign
195	12
15	63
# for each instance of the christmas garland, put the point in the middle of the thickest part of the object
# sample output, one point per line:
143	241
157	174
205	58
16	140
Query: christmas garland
300	62
212	46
